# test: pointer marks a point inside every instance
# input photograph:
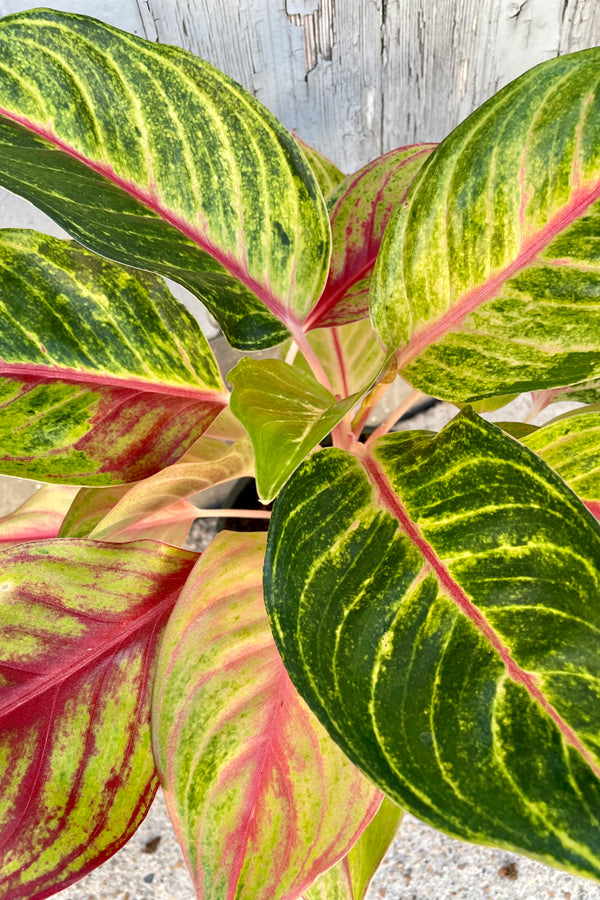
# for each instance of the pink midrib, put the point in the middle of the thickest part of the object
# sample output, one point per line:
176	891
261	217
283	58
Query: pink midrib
468	608
471	300
336	290
152	203
50	373
118	634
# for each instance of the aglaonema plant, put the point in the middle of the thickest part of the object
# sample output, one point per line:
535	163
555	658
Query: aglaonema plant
419	628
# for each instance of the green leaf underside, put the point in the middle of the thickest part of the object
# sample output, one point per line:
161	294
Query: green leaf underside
79	626
94	386
436	607
263	801
360	209
325	171
488	279
350	878
150	156
286	412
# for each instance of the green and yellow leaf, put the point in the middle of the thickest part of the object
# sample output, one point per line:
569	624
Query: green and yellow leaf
325	171
150	156
104	377
435	603
488	279
571	445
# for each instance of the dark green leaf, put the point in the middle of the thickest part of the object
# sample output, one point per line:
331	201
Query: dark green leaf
435	602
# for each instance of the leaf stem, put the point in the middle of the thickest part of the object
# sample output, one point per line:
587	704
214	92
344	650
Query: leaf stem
233	513
367	406
397	414
540	400
291	354
312	359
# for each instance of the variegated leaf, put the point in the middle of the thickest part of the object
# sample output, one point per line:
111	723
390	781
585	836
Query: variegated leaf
571	445
325	171
79	625
360	209
150	156
350	878
435	603
261	798
104	377
488	277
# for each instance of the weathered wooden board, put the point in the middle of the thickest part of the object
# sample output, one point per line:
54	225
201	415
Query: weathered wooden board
353	77
357	77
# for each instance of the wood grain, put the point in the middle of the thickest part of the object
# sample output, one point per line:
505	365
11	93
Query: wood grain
356	78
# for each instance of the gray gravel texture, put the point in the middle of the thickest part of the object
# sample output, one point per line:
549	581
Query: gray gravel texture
422	864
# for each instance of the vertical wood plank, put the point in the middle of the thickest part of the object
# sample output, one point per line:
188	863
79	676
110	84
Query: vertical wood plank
444	58
314	63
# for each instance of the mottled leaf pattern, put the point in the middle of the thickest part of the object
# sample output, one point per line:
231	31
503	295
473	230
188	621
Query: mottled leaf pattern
104	376
263	801
571	445
325	171
360	209
435	603
488	277
79	626
152	157
286	412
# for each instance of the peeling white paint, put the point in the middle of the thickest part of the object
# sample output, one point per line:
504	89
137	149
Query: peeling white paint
357	77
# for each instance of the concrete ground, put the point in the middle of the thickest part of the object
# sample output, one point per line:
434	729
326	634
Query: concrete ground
421	865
